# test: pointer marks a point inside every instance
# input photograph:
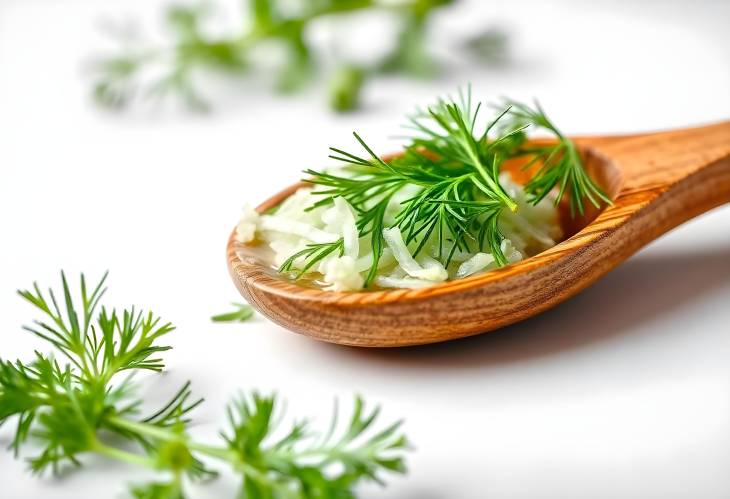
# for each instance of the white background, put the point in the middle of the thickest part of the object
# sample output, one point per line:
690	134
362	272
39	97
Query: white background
622	392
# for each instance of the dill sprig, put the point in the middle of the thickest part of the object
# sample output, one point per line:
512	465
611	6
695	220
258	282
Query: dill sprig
312	254
84	401
241	313
142	70
453	164
560	163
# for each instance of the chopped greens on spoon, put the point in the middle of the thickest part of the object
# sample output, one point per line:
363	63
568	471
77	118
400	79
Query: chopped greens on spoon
443	209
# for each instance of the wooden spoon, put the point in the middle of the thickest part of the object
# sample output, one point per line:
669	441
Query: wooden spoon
657	181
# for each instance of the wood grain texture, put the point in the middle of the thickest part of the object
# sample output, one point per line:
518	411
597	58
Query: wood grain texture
657	181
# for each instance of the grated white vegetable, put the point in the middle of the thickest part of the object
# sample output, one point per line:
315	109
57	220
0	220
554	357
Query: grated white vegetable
475	264
246	228
277	223
341	219
340	274
433	271
295	224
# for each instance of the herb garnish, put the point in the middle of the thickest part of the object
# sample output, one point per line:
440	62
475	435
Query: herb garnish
561	164
143	70
242	313
85	402
453	165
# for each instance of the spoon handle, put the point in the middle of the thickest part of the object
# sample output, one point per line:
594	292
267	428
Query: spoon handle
664	158
682	173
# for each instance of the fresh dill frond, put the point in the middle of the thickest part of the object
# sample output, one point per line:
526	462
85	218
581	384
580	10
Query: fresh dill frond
85	402
143	70
450	166
561	166
242	313
455	168
299	459
312	254
447	132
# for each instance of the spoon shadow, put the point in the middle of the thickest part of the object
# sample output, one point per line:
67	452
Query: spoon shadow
639	291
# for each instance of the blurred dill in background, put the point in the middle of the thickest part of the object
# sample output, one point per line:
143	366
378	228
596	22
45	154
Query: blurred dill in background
146	71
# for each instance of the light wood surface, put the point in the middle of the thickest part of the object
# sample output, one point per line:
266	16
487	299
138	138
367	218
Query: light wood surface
657	181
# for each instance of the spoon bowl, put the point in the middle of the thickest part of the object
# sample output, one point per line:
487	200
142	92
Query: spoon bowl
657	181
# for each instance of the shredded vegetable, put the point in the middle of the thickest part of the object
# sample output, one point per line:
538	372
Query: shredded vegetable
298	223
445	208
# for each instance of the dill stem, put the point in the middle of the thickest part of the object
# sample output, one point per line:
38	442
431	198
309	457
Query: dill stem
216	452
492	184
122	455
221	453
143	428
166	435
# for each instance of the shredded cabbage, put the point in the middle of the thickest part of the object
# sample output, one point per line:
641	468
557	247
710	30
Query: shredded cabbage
297	223
246	228
341	220
432	270
340	274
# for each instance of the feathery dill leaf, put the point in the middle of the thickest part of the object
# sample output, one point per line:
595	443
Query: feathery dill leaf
312	254
143	70
85	402
456	171
451	164
560	164
242	313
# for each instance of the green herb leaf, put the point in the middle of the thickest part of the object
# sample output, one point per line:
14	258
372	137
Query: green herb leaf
135	71
453	166
345	88
85	405
561	164
242	313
